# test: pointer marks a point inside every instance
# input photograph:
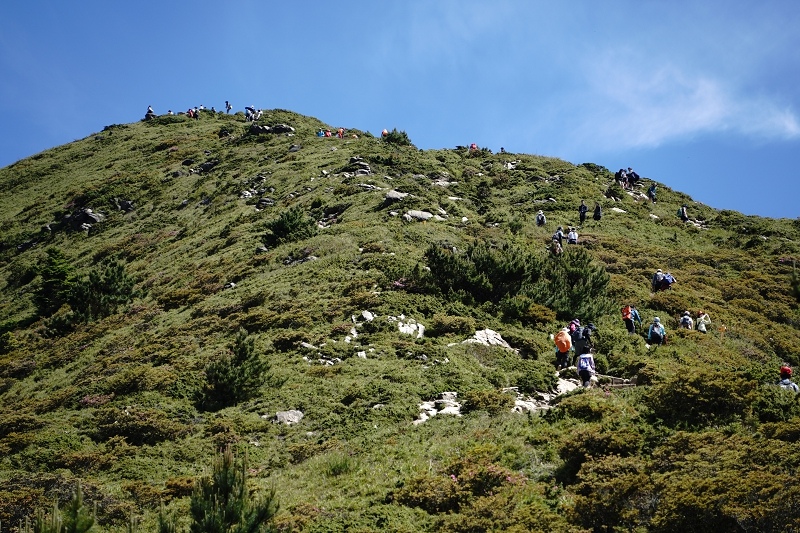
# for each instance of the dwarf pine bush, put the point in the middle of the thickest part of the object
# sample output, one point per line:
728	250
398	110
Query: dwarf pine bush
221	502
235	375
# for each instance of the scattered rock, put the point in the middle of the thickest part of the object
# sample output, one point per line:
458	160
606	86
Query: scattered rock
287	417
415	214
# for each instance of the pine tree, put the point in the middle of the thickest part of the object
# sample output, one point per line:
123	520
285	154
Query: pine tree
221	503
236	375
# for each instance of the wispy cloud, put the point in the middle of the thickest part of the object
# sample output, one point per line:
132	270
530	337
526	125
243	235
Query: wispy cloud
643	105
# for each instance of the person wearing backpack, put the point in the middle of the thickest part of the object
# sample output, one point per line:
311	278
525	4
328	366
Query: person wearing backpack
656	334
786	380
586	369
630	316
541	220
686	321
655	283
582	340
558	236
582	210
563	343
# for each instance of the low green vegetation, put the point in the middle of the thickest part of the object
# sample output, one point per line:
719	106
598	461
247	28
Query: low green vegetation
245	338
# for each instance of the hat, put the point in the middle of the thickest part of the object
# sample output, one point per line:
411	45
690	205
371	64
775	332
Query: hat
540	212
656	320
786	371
686	313
565	329
659	270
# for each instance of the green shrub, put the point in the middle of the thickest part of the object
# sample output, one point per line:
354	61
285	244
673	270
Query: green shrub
774	404
700	397
491	401
138	426
442	324
292	225
399	138
222	502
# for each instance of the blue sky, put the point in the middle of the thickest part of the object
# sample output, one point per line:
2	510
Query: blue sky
702	96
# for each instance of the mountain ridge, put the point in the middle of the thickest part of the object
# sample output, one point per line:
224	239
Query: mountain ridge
317	240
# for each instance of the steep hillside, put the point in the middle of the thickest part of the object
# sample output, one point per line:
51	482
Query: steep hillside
170	286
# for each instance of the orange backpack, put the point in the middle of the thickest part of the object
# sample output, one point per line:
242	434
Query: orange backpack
626	312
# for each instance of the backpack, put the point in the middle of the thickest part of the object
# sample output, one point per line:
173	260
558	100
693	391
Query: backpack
583	364
563	342
626	312
577	335
655	334
686	321
680	212
668	279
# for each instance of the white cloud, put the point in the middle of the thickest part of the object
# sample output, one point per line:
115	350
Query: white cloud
627	105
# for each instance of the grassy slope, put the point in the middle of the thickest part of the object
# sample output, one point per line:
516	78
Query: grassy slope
191	234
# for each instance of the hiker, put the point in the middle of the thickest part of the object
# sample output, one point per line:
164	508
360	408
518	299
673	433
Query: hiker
327	133
320	133
683	214
169	112
249	113
621	177
572	236
558	236
633	177
582	339
586	369
630	316
686	321
656	334
385	133
473	147
228	107
556	248
786	379
598	211
582	209
651	193
502	150
150	110
563	344
703	321
196	113
658	278
340	133
541	220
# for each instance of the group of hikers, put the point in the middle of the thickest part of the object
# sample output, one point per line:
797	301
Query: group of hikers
576	340
339	133
626	178
194	112
557	241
